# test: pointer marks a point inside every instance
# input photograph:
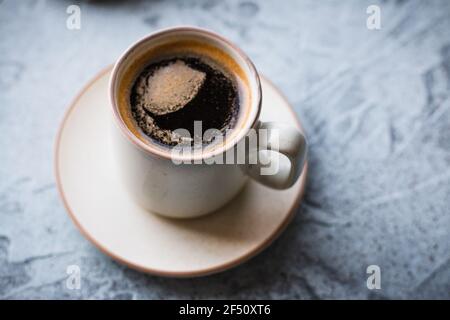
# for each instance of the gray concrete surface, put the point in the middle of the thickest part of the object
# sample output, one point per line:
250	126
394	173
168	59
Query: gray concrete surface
375	104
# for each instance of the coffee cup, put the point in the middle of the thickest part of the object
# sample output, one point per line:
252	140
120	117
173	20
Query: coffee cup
190	181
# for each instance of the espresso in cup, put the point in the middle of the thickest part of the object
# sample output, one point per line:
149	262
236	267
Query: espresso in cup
177	76
185	85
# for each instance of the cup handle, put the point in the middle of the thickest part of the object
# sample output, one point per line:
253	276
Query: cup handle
275	138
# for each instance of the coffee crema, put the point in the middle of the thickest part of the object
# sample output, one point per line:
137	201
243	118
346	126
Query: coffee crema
184	92
176	84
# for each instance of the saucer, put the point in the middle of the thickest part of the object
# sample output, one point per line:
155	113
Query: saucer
103	211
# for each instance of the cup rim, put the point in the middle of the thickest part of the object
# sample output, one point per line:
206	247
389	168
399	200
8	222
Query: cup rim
251	122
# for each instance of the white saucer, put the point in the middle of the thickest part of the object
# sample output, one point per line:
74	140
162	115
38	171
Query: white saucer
103	211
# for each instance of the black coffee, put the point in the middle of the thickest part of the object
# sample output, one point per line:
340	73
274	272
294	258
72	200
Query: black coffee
174	93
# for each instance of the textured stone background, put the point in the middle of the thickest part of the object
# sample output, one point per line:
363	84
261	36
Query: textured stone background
375	105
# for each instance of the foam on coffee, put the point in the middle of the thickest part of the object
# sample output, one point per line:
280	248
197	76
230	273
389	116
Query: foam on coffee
170	88
163	98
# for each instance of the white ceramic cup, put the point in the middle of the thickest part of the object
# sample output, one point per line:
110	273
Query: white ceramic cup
185	190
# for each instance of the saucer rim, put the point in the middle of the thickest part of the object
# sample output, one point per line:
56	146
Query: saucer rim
158	272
